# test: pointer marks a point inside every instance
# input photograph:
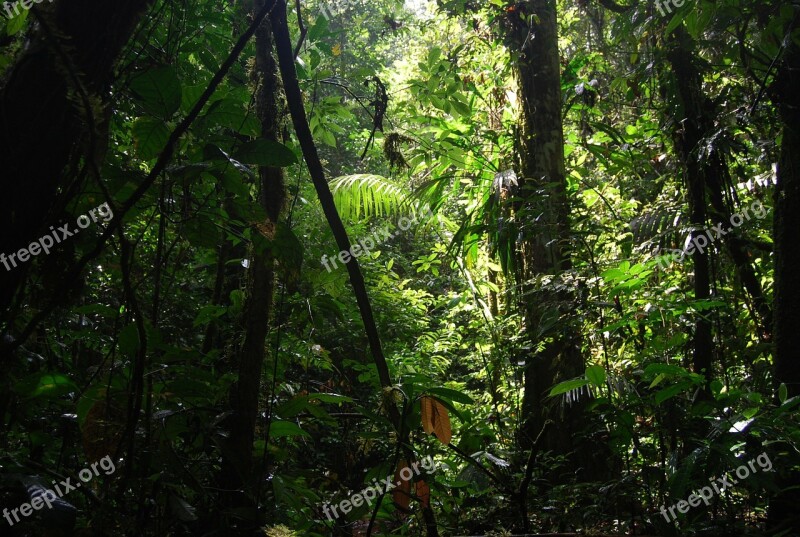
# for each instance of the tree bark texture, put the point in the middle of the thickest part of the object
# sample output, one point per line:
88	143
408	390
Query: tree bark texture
542	213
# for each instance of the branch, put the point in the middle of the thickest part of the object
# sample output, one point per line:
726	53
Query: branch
303	30
294	98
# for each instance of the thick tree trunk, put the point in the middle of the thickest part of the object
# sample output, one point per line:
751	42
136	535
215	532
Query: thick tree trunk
783	513
51	115
543	215
787	223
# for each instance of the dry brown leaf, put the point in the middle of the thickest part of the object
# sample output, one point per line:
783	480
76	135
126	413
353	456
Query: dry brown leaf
401	494
423	493
426	410
435	418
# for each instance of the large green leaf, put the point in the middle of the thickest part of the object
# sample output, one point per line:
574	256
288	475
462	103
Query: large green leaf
265	153
568	386
45	385
671	391
368	195
227	113
596	375
280	429
158	90
150	136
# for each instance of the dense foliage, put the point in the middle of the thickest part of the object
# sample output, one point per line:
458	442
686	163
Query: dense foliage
635	307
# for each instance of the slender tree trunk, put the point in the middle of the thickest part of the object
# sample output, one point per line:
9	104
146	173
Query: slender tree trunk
294	98
238	474
708	179
787	223
694	117
52	115
689	129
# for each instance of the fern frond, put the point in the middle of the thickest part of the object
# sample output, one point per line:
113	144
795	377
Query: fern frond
366	196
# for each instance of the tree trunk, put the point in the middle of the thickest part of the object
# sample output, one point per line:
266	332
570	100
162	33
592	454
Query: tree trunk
689	129
53	99
237	469
693	119
782	514
543	216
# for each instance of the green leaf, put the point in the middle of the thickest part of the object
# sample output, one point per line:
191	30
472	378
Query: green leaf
201	231
319	29
676	21
750	412
783	393
97	309
596	375
45	385
281	429
568	386
158	90
451	395
208	60
129	340
287	248
190	95
612	275
462	109
226	113
208	313
367	195
150	136
329	398
265	152
301	403
213	152
670	392
17	23
88	400
658	380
